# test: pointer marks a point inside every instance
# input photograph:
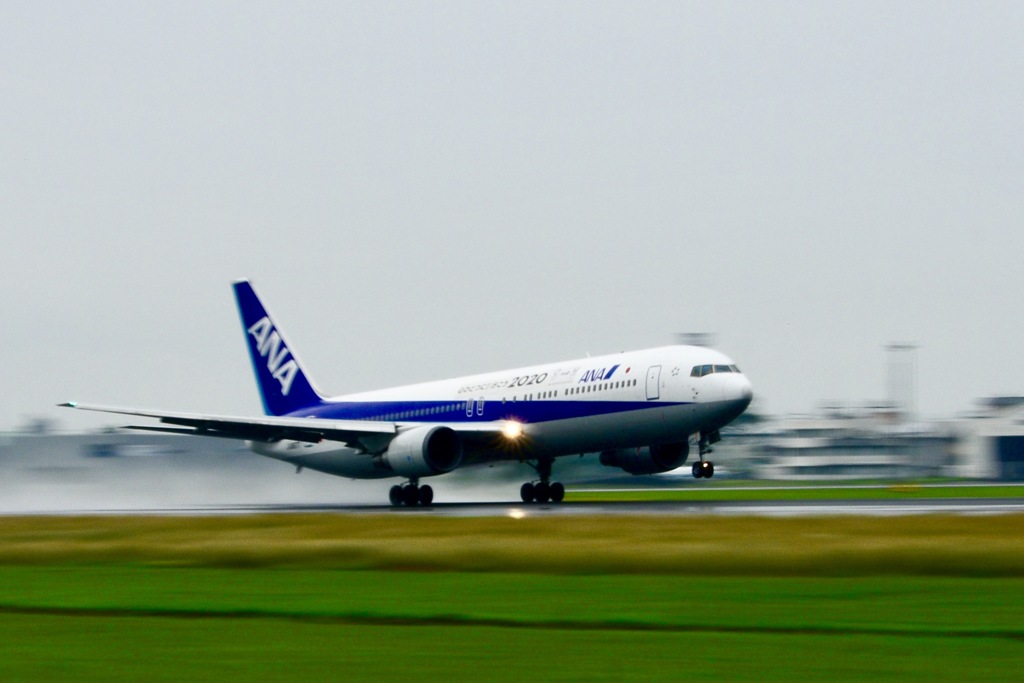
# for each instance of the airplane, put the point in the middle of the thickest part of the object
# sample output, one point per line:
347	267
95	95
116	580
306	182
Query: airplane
637	409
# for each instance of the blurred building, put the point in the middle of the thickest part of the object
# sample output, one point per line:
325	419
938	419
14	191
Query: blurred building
877	442
990	443
863	443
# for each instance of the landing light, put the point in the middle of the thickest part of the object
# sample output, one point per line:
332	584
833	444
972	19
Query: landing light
512	430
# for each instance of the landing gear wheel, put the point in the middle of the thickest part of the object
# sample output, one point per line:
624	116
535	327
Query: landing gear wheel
395	495
557	492
526	492
410	495
426	495
709	471
544	490
698	472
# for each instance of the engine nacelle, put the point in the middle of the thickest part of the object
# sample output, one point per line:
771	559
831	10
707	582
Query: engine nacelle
424	451
650	460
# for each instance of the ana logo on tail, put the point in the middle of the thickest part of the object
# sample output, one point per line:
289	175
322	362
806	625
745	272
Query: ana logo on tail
269	344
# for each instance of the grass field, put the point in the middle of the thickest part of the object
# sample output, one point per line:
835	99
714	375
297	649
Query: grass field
760	491
991	546
398	596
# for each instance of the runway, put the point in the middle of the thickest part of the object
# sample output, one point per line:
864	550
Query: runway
893	507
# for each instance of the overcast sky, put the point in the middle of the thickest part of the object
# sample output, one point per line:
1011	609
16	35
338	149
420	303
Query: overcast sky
422	190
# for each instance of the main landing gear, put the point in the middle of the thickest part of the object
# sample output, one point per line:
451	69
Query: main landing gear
705	469
545	489
412	494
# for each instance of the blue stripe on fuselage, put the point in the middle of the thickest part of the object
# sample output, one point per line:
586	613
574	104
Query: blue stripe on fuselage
462	411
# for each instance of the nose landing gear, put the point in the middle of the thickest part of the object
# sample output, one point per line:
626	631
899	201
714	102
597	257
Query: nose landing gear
705	469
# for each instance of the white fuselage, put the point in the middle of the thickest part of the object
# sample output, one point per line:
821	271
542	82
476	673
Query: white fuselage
618	401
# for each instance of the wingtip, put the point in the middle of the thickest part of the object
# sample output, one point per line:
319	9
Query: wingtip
69	404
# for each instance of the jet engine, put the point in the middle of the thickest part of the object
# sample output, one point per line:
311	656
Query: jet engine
649	460
424	451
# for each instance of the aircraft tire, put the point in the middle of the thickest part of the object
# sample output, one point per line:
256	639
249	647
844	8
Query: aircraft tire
526	492
697	472
426	495
710	471
541	492
557	492
395	495
410	495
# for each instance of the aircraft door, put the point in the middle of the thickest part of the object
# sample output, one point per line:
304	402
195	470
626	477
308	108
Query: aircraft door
653	383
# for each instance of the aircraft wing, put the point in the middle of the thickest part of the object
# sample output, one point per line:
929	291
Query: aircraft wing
312	430
362	434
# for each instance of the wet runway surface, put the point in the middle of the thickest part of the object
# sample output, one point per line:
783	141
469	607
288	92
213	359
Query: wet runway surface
962	506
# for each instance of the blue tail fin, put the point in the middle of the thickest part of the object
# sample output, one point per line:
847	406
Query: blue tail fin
284	386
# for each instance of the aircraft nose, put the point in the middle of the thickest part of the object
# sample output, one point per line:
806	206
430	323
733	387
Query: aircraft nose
746	391
739	389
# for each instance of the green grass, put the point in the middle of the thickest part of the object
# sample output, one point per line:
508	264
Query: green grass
404	596
138	622
761	492
989	546
34	648
870	606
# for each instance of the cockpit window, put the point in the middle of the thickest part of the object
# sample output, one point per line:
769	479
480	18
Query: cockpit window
702	370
